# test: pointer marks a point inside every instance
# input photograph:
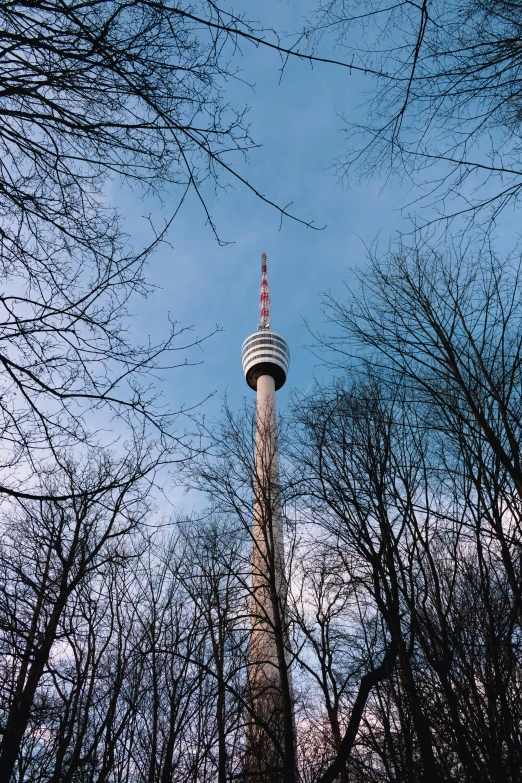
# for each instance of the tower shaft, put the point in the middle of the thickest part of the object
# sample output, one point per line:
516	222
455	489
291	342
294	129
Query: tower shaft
268	548
270	740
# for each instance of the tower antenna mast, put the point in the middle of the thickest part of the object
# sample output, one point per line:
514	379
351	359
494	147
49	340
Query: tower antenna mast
264	298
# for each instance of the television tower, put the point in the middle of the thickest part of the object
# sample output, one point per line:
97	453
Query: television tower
270	746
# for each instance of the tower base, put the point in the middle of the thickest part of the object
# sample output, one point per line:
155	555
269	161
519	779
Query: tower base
264	760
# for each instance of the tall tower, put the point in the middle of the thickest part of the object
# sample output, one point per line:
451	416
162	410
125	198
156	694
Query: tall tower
270	751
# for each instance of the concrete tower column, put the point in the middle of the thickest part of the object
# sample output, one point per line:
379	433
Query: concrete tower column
267	545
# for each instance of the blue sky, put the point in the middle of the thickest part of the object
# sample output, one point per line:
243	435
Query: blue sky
297	124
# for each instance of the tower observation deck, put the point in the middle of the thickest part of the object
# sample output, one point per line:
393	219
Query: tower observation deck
265	353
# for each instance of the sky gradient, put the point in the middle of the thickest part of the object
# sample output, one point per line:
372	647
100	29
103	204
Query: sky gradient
296	121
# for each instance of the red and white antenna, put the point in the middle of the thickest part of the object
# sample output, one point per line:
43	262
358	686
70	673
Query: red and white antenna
264	299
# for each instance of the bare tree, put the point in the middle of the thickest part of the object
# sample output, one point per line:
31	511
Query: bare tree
50	550
445	110
215	571
442	335
360	483
93	93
